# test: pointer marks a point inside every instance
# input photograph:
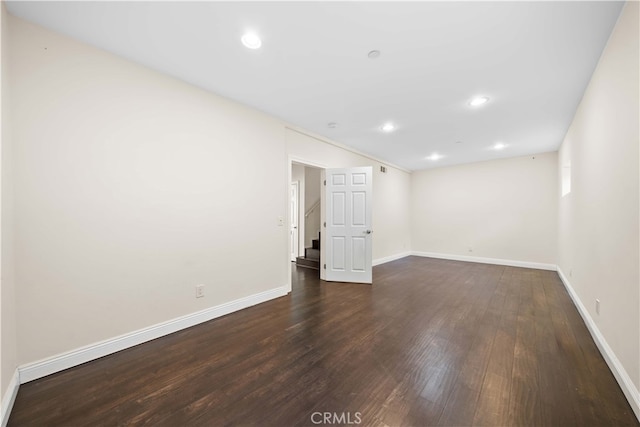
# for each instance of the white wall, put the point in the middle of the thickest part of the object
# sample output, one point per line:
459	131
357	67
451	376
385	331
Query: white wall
599	219
131	188
8	343
391	235
501	209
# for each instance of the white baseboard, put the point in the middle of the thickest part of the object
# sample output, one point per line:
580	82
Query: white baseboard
9	397
50	365
389	258
624	380
482	260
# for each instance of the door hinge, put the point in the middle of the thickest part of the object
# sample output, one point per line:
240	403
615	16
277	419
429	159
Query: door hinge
325	182
325	224
325	266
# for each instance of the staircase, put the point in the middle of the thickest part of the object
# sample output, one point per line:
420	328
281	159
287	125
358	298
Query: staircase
311	258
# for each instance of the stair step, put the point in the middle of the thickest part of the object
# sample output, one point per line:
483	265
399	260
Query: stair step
311	253
306	262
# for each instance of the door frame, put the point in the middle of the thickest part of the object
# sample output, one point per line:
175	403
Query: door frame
294	228
291	159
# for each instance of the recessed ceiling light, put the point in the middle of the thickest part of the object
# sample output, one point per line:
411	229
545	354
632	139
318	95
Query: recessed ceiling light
373	54
499	146
332	125
251	40
388	127
435	156
458	142
478	101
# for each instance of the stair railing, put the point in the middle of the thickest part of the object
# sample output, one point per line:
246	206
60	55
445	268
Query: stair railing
312	208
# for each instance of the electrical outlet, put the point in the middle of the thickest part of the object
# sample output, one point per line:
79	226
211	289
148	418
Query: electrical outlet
597	306
199	291
280	221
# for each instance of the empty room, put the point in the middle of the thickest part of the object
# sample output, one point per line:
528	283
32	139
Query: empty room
320	213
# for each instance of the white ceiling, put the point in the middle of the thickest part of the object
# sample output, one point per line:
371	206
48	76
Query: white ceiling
533	59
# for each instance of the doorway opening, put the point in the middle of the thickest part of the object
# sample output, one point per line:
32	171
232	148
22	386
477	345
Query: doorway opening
306	207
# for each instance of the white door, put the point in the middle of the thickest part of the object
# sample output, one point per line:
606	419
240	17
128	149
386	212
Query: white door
348	225
294	220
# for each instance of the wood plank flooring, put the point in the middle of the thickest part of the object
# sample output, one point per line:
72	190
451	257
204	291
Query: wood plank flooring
432	342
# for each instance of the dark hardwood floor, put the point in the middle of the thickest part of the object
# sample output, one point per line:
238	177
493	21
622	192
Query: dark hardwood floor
432	342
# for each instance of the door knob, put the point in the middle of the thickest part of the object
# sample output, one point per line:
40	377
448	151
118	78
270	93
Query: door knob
368	231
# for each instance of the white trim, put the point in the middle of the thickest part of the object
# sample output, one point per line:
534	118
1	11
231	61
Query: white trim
624	380
305	162
295	250
497	261
81	355
321	138
9	398
390	258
